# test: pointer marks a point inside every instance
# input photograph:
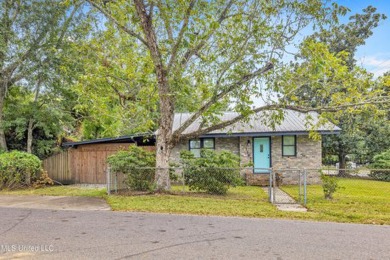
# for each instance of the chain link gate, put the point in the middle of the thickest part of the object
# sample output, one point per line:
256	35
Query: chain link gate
295	177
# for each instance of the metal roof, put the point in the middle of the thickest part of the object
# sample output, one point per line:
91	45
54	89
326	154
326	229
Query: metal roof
258	124
126	139
294	123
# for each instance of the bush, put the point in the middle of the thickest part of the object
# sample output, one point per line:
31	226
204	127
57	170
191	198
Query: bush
130	163
17	169
329	185
42	181
381	161
213	172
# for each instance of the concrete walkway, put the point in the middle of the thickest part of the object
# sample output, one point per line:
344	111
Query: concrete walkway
285	202
53	202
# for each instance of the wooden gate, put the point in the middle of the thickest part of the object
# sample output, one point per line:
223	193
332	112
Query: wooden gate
89	162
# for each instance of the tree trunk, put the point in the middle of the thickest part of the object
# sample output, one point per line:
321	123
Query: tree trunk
30	127
30	135
166	100
164	137
163	151
342	164
3	142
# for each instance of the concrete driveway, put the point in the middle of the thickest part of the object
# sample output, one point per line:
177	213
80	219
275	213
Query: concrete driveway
53	202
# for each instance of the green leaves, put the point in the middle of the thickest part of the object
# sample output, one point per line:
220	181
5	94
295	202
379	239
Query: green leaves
329	185
137	165
381	161
213	172
116	92
325	78
17	169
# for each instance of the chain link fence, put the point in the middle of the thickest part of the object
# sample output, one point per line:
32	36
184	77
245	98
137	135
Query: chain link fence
351	183
269	180
142	179
358	173
284	186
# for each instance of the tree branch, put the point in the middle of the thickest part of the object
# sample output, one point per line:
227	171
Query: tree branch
234	60
117	23
186	18
35	44
66	25
301	109
165	19
226	123
193	51
223	93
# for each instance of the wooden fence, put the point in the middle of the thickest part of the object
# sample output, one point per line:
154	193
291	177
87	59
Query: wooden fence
57	167
84	164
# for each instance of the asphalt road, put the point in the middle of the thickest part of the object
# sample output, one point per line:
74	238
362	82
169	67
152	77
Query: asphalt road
65	234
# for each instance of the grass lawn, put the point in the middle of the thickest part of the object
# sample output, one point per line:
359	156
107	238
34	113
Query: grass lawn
240	201
361	201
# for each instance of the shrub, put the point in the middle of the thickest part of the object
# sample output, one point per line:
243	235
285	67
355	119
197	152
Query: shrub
42	181
329	185
17	169
213	172
381	161
137	165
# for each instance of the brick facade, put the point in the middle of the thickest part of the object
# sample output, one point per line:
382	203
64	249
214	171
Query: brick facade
230	144
308	157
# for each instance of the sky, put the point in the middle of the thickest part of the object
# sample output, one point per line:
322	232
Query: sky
375	54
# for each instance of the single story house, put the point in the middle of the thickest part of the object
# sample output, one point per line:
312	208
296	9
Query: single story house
285	147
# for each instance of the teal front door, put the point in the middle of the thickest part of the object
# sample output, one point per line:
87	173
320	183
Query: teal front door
261	154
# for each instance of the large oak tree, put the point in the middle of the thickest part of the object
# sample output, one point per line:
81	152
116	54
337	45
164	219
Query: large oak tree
213	53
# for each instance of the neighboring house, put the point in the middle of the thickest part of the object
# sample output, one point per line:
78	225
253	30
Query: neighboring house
283	148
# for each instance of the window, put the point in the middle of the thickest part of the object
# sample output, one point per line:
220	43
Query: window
289	145
203	143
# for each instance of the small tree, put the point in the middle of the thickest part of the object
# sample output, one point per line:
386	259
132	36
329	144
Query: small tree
329	185
381	161
138	166
213	172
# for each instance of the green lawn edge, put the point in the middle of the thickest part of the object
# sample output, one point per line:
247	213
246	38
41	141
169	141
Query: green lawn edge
360	201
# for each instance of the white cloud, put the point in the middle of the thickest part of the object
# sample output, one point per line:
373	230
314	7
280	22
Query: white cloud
377	64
